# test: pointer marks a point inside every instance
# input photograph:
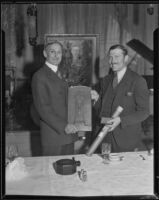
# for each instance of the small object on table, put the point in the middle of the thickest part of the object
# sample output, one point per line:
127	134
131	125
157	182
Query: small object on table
143	158
83	175
105	151
121	158
114	157
16	170
150	152
66	166
11	152
149	145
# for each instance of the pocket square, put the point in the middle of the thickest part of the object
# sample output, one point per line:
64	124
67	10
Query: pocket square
129	94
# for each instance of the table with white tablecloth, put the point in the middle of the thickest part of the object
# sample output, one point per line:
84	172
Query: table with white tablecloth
132	175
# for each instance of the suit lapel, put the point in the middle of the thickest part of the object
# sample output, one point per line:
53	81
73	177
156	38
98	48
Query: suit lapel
57	83
51	74
122	88
106	85
106	90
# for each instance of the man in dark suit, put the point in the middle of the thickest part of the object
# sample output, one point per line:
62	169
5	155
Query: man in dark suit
50	94
129	90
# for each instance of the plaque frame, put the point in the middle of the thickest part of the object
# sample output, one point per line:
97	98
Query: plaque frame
80	108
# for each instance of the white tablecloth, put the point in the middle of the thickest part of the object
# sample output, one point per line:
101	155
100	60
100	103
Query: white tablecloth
131	176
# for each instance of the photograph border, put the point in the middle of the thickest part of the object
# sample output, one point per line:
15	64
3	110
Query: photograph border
156	144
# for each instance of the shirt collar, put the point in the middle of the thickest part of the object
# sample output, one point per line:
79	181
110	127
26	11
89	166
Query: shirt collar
121	73
53	67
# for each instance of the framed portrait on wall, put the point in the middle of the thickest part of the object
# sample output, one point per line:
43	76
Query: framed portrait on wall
80	55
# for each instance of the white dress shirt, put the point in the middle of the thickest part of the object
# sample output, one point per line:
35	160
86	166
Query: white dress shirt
121	73
53	67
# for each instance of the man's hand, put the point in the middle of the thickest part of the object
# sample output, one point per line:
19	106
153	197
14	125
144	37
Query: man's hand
113	123
70	128
94	95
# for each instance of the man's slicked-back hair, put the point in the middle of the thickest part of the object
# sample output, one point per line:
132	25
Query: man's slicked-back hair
53	42
119	46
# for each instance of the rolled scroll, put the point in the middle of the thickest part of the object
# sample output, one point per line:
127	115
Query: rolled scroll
102	134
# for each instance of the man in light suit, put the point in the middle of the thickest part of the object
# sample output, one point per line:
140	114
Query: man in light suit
131	93
50	94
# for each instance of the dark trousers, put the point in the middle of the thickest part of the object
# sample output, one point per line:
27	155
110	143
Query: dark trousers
67	149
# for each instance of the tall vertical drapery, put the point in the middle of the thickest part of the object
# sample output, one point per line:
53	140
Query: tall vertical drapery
18	51
114	23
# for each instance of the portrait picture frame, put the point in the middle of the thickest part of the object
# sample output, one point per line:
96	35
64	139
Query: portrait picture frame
80	57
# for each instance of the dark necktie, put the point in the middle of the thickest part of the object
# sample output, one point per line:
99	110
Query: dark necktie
115	80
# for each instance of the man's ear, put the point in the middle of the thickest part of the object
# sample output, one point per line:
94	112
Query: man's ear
44	53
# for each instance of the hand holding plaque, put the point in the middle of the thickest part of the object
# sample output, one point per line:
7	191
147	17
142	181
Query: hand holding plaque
70	128
94	95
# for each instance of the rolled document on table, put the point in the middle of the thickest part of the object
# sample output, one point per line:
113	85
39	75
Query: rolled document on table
102	134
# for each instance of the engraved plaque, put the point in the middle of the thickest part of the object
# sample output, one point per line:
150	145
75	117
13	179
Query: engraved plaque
79	107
